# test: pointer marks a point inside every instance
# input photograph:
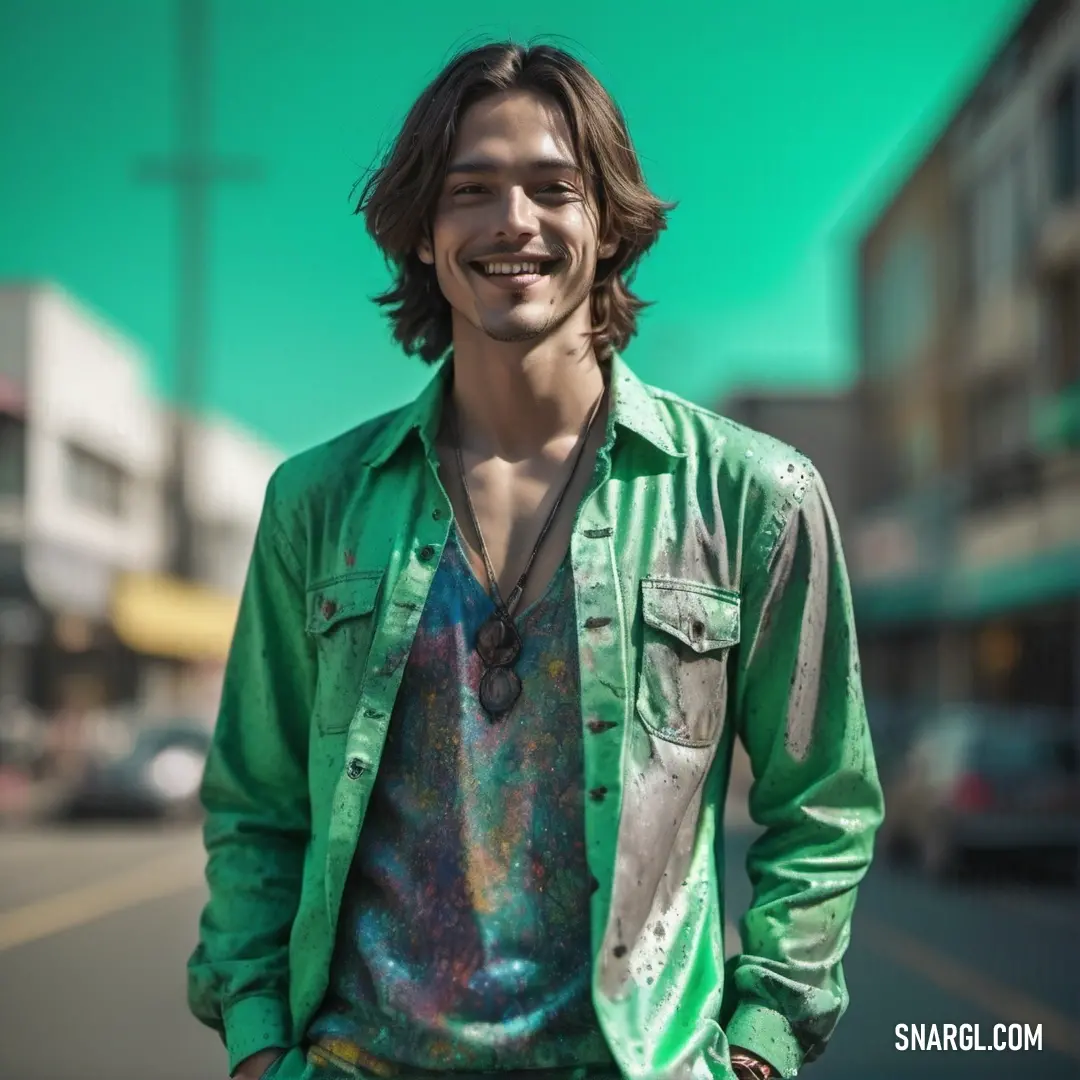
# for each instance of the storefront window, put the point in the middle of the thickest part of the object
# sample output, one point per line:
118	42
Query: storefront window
1029	658
1066	139
95	483
12	455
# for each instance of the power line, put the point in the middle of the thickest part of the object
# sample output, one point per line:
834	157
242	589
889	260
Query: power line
192	170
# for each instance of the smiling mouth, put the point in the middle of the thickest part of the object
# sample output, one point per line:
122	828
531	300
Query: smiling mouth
514	271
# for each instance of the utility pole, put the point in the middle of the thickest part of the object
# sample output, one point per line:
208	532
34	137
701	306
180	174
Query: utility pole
192	170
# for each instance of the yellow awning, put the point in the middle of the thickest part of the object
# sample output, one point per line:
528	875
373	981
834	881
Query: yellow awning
162	616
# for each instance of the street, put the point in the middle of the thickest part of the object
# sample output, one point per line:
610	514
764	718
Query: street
96	925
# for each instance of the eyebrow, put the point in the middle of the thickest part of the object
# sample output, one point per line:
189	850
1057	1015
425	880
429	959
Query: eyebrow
486	166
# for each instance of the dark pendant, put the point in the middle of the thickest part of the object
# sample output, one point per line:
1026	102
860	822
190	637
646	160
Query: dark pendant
497	642
500	688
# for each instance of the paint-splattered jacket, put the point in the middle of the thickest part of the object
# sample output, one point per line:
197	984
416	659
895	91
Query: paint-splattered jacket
713	602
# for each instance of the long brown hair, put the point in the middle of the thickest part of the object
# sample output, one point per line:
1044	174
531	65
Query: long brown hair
399	198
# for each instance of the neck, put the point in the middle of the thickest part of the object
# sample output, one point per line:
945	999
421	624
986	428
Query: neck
512	400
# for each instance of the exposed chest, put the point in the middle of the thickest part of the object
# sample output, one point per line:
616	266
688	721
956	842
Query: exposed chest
520	508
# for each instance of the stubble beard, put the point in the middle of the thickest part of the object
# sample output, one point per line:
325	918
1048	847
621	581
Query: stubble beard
556	318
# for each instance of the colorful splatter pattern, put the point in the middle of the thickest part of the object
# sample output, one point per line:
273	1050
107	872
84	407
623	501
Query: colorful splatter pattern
464	932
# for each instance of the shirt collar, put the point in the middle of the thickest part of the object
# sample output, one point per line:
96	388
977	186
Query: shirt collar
633	408
422	414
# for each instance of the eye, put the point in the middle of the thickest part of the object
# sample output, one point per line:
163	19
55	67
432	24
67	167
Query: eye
468	189
557	188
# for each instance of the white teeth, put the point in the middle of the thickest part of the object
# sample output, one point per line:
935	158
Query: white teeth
512	268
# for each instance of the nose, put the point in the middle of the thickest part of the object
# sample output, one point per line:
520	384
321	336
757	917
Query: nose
519	215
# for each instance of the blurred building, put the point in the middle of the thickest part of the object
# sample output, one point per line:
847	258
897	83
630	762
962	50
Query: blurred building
819	423
88	617
966	555
183	628
81	464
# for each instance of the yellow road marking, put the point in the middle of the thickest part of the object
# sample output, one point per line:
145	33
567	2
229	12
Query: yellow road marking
1011	1006
1035	909
153	880
176	873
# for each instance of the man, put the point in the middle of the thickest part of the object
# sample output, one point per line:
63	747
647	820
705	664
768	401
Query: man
494	652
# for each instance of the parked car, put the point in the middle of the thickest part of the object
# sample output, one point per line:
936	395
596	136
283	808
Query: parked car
155	772
988	782
892	728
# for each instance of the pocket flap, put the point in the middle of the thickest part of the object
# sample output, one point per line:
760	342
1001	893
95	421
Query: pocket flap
342	598
703	617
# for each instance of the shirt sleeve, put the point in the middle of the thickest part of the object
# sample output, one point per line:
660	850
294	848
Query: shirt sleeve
257	807
801	715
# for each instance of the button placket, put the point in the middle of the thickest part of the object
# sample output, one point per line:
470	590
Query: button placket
393	642
398	615
603	701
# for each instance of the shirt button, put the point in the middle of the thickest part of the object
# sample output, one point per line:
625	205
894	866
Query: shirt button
436	513
426	552
355	769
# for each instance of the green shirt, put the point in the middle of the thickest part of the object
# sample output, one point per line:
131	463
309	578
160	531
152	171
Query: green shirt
712	602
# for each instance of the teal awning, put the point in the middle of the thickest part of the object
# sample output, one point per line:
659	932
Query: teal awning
958	594
897	603
1057	421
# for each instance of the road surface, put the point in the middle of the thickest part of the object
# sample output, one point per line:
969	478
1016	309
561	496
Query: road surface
96	926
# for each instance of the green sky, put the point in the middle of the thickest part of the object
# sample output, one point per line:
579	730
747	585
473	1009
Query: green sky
774	123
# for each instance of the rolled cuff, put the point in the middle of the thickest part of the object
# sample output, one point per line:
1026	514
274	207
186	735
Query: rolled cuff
253	1024
767	1034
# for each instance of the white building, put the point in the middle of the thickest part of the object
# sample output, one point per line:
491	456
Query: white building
88	613
228	471
81	462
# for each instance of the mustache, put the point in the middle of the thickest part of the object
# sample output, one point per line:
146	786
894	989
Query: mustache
555	251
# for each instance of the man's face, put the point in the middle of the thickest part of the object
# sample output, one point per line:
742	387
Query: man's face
514	241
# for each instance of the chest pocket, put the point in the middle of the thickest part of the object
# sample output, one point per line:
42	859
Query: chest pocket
688	631
341	618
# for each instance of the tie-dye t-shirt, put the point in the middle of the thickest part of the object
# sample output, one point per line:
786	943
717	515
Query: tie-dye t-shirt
464	934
